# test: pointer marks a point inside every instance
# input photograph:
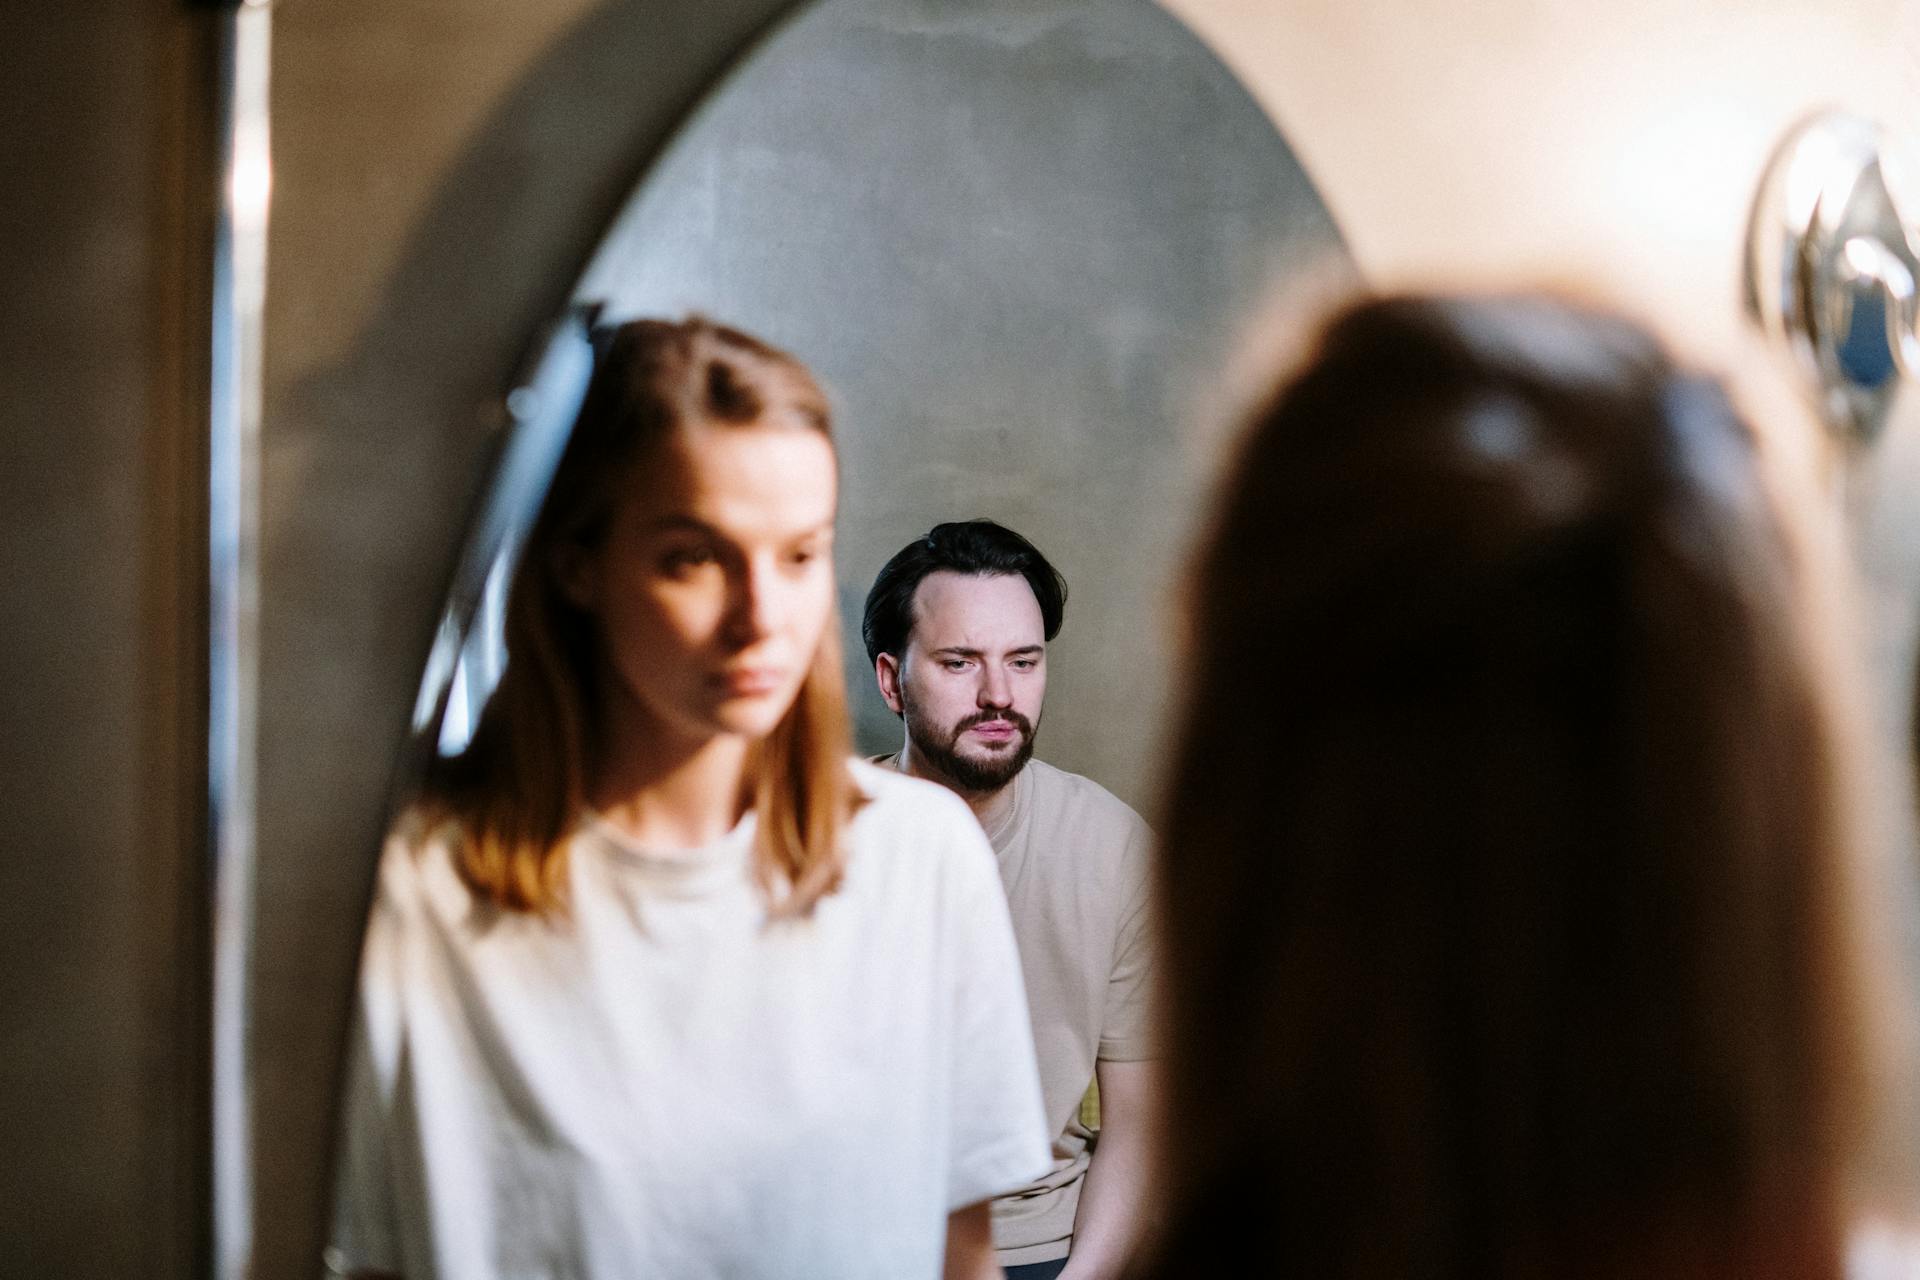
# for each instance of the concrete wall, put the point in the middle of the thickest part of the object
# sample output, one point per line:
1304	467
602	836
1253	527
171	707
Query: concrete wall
1018	282
105	221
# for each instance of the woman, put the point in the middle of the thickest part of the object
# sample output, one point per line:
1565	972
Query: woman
658	982
1514	916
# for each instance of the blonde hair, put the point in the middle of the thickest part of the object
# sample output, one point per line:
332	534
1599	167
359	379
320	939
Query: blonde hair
518	790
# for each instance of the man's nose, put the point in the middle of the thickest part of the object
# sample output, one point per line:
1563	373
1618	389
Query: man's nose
995	689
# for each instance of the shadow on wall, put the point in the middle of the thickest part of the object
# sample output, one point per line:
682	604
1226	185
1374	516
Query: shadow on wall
371	465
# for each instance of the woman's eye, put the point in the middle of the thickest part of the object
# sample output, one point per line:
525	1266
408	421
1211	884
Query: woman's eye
682	559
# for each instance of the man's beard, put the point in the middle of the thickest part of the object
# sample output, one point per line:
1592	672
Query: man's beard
966	773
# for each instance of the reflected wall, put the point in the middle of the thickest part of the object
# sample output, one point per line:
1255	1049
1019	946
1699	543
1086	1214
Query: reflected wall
1019	241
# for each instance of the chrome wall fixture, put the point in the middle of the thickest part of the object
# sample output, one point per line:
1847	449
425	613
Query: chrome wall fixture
233	581
1833	266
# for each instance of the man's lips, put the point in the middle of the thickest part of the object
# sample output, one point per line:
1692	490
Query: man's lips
995	730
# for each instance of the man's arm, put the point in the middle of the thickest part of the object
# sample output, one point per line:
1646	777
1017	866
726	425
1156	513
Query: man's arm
970	1245
1113	1208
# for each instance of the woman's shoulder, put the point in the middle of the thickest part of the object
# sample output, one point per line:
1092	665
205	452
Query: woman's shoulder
920	821
892	796
418	872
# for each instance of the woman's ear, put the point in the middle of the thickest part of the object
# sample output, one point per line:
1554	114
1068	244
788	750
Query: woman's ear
576	571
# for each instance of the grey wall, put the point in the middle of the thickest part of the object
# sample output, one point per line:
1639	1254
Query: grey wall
442	171
105	218
1019	240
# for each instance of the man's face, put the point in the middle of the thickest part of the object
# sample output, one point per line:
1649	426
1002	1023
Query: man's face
972	680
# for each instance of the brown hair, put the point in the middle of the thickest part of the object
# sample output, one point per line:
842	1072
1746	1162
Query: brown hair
1509	908
518	789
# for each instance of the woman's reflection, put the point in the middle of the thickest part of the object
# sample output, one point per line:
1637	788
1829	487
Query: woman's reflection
658	981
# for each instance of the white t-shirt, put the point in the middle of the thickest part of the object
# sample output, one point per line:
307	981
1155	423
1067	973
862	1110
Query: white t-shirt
664	1084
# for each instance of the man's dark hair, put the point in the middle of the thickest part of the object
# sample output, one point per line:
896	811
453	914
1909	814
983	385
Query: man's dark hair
977	547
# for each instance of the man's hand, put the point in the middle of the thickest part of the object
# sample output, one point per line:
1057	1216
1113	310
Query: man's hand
1113	1212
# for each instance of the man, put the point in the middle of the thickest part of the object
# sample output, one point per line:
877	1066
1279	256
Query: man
957	626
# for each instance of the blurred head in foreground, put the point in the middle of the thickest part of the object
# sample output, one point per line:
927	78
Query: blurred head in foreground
1514	909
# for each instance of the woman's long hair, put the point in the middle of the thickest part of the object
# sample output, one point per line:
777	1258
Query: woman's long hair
519	788
1512	914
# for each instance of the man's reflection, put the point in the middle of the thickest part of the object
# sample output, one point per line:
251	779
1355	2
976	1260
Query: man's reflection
957	626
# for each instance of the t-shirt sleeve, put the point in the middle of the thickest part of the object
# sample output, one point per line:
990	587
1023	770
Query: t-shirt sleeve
364	1235
1126	1024
1000	1140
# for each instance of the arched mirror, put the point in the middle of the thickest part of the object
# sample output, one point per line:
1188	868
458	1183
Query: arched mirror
1017	242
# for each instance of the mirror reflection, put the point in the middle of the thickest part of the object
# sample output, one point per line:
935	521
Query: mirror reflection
896	1012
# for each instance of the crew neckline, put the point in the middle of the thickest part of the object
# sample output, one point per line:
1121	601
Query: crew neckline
1001	837
696	869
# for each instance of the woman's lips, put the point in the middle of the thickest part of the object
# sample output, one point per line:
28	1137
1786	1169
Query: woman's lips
747	682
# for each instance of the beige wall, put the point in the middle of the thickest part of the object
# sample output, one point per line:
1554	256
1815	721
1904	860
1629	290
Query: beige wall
1614	146
105	222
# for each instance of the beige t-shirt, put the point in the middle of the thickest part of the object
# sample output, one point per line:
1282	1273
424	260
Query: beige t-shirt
1074	860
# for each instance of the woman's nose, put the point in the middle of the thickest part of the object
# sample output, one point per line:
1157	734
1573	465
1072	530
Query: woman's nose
753	604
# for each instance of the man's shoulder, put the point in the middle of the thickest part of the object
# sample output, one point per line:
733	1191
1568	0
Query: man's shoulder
1062	795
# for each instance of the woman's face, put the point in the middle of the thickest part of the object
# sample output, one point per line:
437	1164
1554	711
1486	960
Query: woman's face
715	581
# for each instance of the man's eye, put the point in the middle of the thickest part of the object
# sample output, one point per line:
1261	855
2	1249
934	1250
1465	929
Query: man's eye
1024	664
956	664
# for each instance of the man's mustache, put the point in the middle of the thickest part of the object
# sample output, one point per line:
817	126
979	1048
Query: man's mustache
1012	717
